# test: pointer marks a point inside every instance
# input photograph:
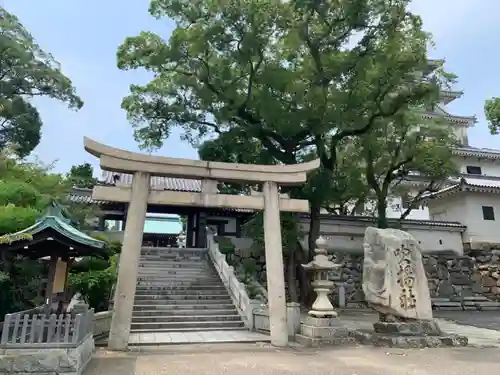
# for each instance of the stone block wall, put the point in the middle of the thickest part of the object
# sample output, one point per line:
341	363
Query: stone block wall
456	282
47	361
464	282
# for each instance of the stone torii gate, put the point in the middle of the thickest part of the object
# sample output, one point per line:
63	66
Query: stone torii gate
139	195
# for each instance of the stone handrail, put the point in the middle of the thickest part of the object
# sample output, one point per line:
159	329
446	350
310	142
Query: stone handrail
262	323
236	289
101	323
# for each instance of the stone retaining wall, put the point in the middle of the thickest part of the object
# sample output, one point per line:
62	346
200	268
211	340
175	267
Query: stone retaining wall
47	361
468	282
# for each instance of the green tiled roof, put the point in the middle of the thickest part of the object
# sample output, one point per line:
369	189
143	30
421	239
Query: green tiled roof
53	218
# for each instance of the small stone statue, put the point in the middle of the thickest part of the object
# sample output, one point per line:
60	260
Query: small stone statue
394	280
181	240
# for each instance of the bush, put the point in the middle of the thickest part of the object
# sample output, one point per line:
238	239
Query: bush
95	285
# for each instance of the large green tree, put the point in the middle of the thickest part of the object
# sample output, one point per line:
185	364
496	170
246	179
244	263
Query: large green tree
406	149
492	113
297	77
82	175
26	71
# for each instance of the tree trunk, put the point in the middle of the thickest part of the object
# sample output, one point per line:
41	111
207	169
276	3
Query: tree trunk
291	277
314	228
382	221
302	276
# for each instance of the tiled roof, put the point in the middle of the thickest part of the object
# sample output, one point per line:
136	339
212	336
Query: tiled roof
163	183
368	219
448	95
487	153
481	185
466	120
82	195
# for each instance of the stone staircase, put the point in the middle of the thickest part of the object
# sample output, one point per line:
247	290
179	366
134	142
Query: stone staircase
179	290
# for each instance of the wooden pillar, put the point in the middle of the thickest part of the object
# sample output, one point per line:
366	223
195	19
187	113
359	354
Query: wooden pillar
201	232
189	230
124	220
129	263
274	266
196	228
50	284
102	224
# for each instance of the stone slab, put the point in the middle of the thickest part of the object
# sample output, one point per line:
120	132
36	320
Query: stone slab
323	332
321	322
409	342
413	328
316	342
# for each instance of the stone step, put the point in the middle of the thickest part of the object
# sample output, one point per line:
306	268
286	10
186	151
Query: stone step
186	287
178	283
171	258
185	318
178	271
181	292
169	251
182	325
173	282
189	329
215	310
174	265
165	308
179	277
182	297
219	300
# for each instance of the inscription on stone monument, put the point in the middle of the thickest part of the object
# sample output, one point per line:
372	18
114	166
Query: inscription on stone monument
394	280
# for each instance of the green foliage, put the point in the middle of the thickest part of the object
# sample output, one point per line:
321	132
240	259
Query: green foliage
288	75
21	284
492	113
225	245
95	285
403	147
94	277
290	231
26	71
82	175
14	219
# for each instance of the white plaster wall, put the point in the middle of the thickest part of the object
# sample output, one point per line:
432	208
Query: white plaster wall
230	226
478	229
488	167
395	210
467	209
348	236
448	209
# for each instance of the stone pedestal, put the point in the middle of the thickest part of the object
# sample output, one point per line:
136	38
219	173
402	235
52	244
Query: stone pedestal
410	334
316	332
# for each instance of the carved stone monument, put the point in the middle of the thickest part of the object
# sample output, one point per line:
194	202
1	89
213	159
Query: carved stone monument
395	285
322	327
394	280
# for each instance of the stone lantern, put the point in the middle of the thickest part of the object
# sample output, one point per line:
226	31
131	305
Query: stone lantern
321	266
322	326
181	240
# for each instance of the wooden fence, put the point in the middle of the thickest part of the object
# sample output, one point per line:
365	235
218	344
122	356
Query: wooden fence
22	330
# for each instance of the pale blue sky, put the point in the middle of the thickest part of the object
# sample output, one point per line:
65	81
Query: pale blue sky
83	35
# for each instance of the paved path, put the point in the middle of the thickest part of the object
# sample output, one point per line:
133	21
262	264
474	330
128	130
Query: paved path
198	337
253	359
